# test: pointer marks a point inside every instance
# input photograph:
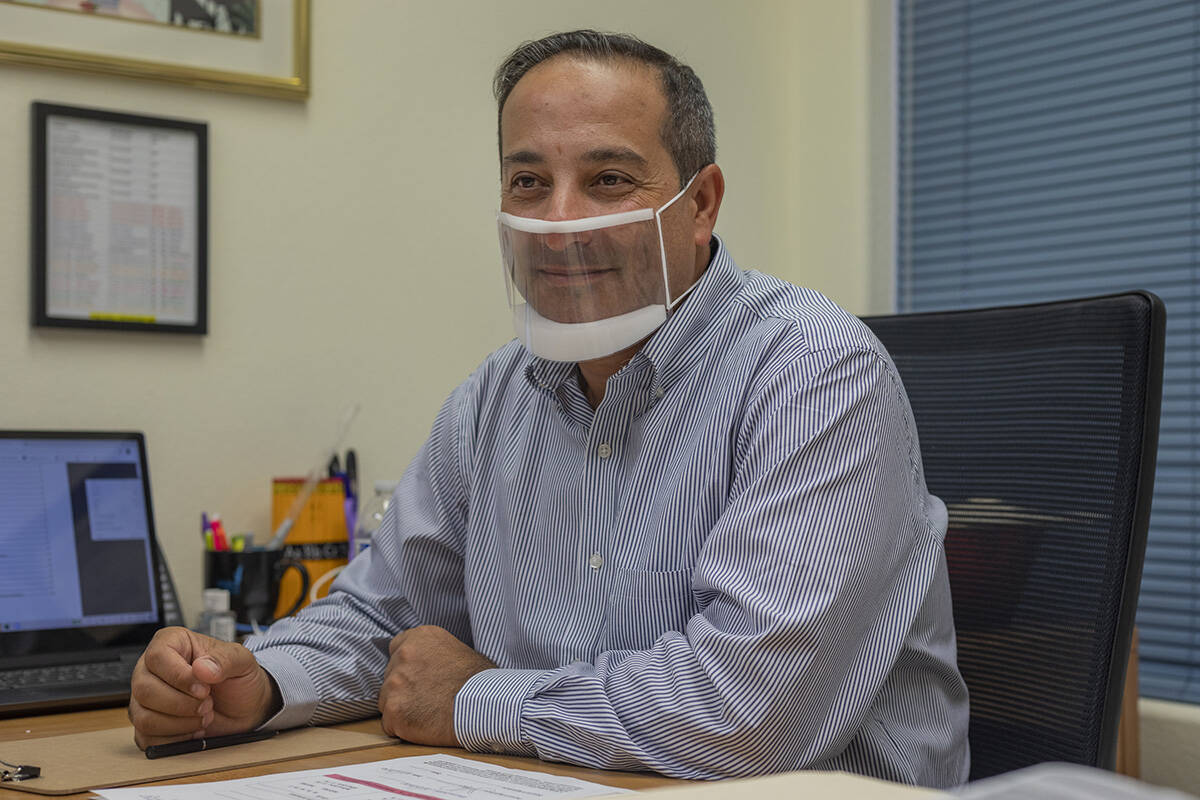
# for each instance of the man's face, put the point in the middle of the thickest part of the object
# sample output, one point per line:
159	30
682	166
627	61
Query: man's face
582	139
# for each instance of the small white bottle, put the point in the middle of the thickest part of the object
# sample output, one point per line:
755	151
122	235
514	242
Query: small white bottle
371	515
217	620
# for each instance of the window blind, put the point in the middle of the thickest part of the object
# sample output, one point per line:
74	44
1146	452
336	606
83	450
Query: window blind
1052	150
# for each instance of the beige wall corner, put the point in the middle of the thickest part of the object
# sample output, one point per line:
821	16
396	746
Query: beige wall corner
880	273
820	221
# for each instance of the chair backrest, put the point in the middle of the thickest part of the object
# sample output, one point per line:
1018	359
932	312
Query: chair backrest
1039	430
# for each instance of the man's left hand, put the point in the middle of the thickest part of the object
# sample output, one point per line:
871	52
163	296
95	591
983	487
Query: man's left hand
426	668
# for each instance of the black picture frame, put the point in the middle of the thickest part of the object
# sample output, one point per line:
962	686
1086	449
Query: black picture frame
113	317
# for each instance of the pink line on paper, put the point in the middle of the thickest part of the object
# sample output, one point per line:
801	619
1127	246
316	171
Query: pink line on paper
381	787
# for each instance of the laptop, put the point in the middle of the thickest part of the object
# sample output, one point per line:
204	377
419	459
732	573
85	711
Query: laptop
80	592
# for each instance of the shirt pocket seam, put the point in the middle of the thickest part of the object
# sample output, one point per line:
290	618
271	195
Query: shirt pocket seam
643	604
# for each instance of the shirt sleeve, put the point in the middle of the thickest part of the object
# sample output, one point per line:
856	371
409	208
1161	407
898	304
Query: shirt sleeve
411	575
807	587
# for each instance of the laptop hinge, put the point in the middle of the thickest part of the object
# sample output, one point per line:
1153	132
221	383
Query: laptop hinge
58	659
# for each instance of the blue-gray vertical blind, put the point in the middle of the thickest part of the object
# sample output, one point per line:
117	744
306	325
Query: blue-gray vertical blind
1050	150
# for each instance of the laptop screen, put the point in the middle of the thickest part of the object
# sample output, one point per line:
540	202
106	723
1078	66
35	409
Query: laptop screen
78	557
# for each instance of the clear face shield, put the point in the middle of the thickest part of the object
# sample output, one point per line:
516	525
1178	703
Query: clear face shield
586	288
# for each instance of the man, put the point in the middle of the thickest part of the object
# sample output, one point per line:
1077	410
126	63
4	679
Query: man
680	525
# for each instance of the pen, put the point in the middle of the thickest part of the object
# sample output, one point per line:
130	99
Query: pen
281	532
220	540
211	743
352	471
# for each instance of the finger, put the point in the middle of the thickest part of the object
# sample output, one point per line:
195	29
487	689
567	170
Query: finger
385	722
169	657
410	642
389	704
155	694
222	725
153	724
391	719
219	661
397	695
148	723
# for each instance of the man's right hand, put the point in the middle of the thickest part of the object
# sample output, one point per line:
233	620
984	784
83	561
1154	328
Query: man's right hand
187	685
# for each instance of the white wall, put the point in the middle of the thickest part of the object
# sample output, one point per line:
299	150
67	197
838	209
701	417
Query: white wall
353	253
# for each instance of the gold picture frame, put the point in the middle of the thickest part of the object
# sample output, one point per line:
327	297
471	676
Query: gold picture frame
286	79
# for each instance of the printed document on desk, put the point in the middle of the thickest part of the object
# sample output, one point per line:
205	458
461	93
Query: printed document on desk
436	777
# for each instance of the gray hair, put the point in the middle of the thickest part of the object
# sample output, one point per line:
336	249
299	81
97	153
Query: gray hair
688	132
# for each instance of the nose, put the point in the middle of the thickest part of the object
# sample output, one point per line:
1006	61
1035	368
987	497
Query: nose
566	204
560	242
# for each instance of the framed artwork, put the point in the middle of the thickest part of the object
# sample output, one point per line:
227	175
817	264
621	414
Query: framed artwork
250	46
120	221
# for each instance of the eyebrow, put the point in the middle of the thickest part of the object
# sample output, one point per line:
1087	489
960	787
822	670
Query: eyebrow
595	156
614	154
523	157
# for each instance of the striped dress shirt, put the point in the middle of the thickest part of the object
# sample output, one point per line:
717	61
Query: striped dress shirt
731	566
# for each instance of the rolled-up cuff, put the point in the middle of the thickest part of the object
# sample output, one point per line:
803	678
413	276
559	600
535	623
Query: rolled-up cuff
487	711
295	687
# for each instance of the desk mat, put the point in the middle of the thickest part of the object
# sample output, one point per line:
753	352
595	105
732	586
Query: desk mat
80	762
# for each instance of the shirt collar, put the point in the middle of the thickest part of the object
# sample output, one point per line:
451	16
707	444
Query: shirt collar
675	347
547	375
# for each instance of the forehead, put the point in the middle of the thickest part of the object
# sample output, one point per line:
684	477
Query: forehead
565	106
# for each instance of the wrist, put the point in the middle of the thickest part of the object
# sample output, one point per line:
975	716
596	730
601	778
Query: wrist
273	700
298	694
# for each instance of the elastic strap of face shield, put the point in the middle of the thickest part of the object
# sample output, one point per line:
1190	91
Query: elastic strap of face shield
662	247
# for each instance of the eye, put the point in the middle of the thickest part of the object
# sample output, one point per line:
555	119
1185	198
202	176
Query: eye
612	180
524	183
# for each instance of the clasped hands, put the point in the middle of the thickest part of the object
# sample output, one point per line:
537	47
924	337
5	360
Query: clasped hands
187	685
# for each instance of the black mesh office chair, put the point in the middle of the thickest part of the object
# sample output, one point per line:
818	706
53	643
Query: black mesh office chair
1039	429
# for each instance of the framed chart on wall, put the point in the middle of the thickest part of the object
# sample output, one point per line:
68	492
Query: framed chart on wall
119	221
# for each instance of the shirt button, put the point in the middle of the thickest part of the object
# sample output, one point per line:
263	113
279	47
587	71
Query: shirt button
604	450
596	561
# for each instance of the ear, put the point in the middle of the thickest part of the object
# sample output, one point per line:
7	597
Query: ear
710	188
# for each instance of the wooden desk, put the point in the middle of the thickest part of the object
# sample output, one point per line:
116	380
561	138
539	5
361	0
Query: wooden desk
101	719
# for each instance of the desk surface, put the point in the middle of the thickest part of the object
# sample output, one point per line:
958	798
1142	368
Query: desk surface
101	719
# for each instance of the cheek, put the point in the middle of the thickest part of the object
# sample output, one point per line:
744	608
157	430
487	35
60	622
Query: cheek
679	241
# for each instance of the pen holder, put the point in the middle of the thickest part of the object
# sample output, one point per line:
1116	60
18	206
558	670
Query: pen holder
252	579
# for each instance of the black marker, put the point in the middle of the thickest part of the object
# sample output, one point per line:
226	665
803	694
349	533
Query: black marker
211	743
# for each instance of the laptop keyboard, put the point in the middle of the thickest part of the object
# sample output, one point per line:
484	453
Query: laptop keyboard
67	675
